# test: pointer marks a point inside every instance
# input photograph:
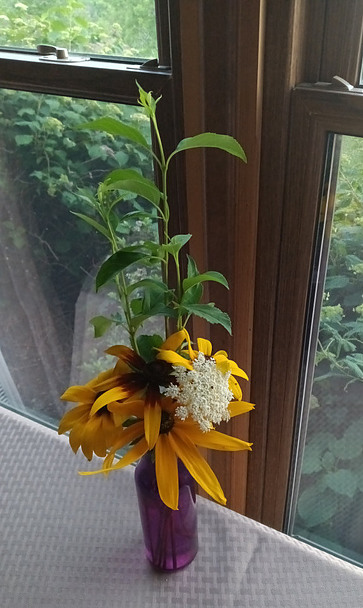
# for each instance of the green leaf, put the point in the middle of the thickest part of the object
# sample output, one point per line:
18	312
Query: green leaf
87	196
158	311
314	450
23	140
137	305
355	365
350	446
116	127
210	313
343	482
147	345
176	243
336	282
138	214
132	181
147	191
101	325
194	294
316	506
212	140
147	101
93	223
206	276
145	283
114	264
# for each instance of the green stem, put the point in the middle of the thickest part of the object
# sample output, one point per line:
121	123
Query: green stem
178	290
163	164
122	292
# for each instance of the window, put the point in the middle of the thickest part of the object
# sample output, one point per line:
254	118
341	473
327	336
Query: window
48	256
310	111
122	29
326	503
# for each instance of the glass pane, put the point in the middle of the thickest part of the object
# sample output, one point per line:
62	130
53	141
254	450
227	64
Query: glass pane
122	28
329	489
48	256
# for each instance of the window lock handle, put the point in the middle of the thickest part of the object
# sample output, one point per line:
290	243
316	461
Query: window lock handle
55	53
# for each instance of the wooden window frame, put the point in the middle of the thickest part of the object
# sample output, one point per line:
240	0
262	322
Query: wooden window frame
296	120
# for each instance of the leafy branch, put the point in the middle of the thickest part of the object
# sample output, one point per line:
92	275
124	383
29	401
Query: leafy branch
158	297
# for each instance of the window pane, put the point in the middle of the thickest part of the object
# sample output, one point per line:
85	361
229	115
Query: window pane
48	256
329	490
122	28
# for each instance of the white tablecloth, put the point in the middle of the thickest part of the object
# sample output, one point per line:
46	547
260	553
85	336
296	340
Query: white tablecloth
75	542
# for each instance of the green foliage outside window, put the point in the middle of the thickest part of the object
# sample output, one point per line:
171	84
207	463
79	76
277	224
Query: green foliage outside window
331	496
121	28
48	160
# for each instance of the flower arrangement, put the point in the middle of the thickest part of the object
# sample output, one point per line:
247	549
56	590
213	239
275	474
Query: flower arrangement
162	396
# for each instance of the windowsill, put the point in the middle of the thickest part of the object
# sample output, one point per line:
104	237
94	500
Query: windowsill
112	80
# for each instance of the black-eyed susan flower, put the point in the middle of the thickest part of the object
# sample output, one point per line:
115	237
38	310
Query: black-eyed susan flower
176	439
140	380
204	382
93	432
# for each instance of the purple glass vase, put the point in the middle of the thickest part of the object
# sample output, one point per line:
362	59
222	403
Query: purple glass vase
171	537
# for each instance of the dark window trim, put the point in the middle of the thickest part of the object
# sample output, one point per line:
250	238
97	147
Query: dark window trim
315	114
305	33
90	79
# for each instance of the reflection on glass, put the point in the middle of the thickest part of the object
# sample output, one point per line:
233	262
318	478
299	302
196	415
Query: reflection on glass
49	257
329	509
122	28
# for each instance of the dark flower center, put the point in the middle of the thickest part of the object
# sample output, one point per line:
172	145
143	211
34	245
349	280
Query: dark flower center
167	422
157	373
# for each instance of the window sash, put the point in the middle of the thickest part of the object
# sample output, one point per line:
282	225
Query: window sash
315	114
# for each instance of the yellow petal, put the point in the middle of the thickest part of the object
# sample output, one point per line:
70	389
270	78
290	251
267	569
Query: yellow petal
192	354
92	436
100	378
114	394
235	388
78	413
215	440
240	407
75	436
152	419
108	429
107	384
166	466
78	394
127	408
171	357
220	358
175	340
235	370
127	435
196	465
121	368
220	353
131	456
204	346
126	354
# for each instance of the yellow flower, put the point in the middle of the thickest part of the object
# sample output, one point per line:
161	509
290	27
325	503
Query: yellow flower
93	432
138	380
168	353
177	439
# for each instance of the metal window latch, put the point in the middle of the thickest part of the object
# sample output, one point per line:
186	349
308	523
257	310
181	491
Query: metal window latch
58	54
153	64
339	83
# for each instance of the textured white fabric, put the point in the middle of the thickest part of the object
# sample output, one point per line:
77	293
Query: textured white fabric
75	542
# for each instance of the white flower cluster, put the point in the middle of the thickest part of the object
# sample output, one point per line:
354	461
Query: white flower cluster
202	392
